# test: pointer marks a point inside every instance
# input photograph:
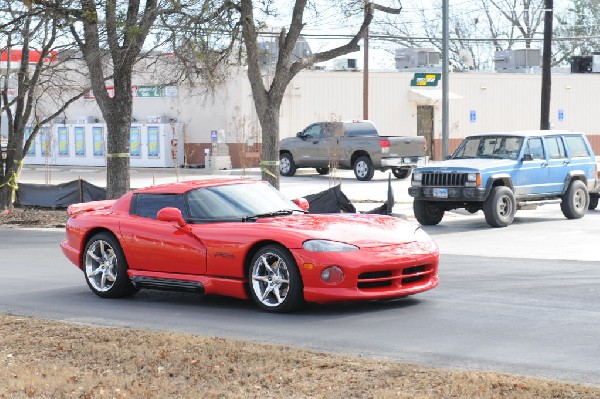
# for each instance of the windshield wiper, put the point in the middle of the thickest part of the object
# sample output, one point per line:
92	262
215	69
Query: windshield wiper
282	212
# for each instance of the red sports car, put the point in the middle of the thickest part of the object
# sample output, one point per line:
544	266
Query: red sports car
243	238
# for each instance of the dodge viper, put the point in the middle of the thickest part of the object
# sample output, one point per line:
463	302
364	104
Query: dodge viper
245	239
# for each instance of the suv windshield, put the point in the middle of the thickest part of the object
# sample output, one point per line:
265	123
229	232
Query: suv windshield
237	202
500	147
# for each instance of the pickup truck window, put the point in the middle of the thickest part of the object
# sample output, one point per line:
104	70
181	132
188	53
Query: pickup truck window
490	147
313	132
535	148
360	129
577	146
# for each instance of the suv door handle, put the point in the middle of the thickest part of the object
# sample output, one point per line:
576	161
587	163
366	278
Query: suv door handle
316	142
544	164
566	162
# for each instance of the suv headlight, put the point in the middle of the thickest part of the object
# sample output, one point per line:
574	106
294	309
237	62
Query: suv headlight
473	180
417	178
328	246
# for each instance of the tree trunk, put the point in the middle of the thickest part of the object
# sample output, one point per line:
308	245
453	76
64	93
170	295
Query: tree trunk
269	122
117	160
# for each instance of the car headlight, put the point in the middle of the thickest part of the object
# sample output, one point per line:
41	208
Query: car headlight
417	176
327	246
426	242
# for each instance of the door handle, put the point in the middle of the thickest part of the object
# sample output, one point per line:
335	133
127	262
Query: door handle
544	164
316	142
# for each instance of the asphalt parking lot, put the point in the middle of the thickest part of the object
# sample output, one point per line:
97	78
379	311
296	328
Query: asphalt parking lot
543	233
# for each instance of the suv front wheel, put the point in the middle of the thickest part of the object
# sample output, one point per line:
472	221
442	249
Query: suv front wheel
500	207
575	201
428	213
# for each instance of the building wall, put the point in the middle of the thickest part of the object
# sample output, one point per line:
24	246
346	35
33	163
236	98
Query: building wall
481	102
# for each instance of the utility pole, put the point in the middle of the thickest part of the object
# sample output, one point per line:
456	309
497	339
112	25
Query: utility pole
366	69
445	78
547	66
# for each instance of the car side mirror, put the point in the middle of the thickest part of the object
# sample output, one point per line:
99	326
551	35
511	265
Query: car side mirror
302	203
171	215
299	135
527	157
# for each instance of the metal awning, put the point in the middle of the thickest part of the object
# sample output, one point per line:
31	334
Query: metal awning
430	95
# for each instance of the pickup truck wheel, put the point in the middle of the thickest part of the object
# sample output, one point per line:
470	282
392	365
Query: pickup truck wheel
593	202
575	201
401	173
323	171
500	207
287	166
428	213
363	168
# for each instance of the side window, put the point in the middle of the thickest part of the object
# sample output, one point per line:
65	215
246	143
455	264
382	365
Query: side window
555	148
535	148
148	205
313	132
576	146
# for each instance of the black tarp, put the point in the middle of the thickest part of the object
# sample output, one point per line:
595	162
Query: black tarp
59	195
332	200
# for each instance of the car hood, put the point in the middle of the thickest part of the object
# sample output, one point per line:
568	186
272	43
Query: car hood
463	165
362	230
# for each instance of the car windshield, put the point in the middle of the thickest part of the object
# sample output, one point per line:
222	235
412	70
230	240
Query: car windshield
238	202
500	147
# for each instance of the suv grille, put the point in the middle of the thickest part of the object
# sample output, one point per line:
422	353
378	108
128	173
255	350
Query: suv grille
444	179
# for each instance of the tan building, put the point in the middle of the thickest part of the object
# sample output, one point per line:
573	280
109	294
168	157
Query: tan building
479	102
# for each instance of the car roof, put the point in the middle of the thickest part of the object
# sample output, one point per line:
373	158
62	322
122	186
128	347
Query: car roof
526	133
185	186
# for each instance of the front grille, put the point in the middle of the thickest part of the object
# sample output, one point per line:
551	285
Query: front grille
441	179
389	278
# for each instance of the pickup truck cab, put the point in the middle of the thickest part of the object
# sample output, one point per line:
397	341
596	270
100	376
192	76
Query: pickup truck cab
500	173
350	145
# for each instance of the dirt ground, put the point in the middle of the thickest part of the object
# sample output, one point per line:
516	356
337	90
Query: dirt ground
49	359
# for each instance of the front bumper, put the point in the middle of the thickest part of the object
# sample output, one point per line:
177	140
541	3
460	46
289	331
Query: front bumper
388	272
448	193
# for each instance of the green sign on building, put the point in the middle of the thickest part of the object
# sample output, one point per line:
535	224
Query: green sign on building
425	79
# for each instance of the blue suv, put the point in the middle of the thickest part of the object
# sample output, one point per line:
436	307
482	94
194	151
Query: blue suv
500	173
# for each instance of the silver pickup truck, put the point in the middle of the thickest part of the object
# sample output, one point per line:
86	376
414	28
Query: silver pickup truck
350	145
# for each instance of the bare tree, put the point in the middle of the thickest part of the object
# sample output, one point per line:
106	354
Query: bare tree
33	85
579	28
495	24
268	95
546	66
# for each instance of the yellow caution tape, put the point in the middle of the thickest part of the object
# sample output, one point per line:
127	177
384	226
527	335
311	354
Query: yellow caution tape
13	180
263	168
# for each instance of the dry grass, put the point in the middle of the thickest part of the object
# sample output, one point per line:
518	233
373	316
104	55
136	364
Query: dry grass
45	359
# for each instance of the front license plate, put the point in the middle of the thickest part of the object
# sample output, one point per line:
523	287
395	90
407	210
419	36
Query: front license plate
440	192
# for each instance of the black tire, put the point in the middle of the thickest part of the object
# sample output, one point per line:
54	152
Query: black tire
401	173
575	201
593	202
500	207
287	166
105	267
323	171
274	282
363	168
428	213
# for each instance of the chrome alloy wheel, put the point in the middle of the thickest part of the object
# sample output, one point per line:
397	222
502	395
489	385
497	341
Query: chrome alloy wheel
101	265
270	279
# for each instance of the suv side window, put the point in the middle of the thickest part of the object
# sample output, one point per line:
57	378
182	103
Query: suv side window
535	148
577	146
313	132
555	147
148	205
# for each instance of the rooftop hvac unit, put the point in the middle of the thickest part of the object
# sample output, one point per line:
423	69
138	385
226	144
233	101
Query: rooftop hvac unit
517	60
344	64
417	58
585	63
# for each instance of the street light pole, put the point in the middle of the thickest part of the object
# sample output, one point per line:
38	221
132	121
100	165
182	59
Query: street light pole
366	69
